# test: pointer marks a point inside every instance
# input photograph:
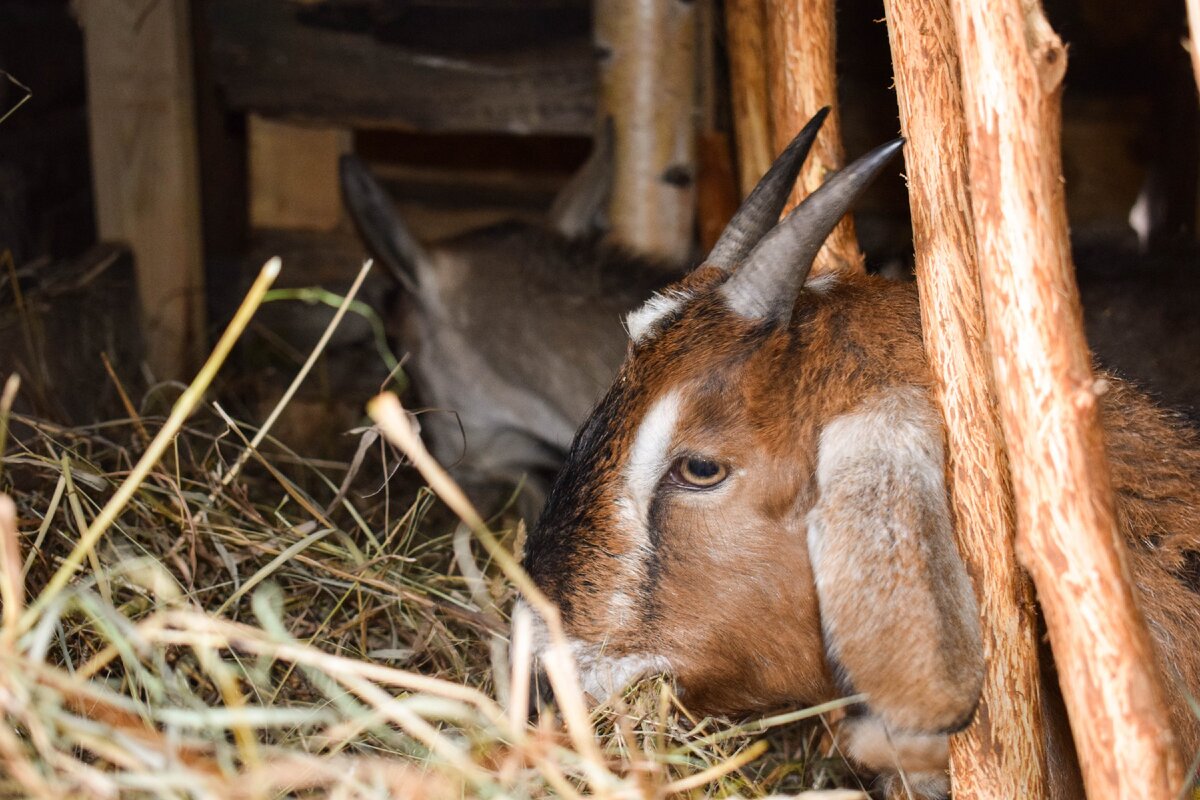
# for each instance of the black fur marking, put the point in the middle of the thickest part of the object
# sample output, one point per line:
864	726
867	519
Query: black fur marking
556	548
1188	573
677	175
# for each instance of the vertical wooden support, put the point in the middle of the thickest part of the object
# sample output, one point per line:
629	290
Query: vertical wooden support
717	195
746	35
1001	755
144	173
647	88
1012	70
1193	15
802	79
294	175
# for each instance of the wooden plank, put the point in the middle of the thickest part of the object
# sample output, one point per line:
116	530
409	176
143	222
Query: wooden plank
294	175
267	61
144	174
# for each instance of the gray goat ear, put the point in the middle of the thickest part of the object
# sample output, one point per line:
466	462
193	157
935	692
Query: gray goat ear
760	211
579	209
898	613
766	284
386	235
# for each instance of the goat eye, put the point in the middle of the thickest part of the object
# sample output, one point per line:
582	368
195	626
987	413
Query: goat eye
699	473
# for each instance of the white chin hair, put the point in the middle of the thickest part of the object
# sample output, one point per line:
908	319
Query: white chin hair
602	676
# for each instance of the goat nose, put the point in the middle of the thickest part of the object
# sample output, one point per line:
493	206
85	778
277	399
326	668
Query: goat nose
540	694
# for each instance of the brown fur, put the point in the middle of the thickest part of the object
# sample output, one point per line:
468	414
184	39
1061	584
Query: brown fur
724	589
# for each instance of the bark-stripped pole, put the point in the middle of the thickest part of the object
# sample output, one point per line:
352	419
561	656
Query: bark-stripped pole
746	35
1193	14
1012	71
647	87
802	79
1001	755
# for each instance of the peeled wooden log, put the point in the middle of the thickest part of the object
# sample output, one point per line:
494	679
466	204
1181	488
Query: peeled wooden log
1012	70
744	21
802	79
647	88
1193	13
1001	755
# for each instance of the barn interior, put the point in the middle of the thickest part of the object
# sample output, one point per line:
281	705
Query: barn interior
154	155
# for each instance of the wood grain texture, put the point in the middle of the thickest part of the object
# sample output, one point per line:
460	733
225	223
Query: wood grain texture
1012	71
716	189
1001	755
1193	15
746	35
294	174
802	79
266	60
648	89
145	183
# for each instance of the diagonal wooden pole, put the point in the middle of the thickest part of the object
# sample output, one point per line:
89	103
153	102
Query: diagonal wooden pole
1012	70
1001	755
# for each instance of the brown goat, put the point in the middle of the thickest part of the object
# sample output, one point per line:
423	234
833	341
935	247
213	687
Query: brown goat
758	505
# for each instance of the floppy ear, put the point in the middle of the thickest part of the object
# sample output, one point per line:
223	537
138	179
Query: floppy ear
384	232
898	614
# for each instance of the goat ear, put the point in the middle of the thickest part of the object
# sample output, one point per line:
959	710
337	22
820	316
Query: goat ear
578	211
898	613
384	232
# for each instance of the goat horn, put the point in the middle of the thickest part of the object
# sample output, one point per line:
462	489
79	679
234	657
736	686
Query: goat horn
760	211
766	285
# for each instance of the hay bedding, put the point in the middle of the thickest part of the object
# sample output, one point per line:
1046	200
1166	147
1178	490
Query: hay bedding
302	629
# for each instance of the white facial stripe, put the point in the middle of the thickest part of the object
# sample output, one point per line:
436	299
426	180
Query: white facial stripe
648	458
662	304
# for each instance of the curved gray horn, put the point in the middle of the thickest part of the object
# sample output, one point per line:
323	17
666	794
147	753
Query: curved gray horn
766	285
760	211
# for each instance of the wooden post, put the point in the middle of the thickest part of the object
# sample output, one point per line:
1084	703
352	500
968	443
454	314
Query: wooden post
294	175
647	88
1012	70
1193	14
1001	755
745	33
802	79
144	174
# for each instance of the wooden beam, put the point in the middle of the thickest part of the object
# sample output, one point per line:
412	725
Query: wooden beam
1001	755
1193	15
802	79
648	90
144	175
1013	66
268	61
746	35
294	175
